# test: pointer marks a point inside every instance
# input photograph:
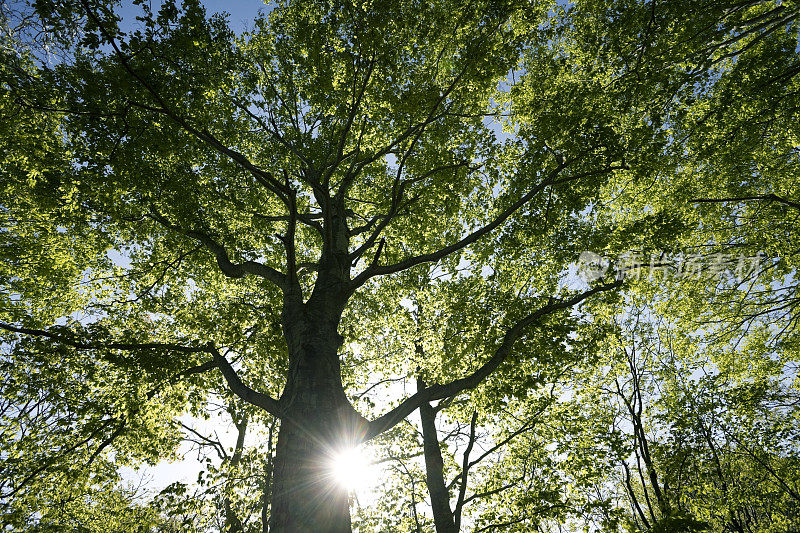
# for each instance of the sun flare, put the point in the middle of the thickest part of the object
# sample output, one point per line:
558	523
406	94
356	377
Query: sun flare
353	469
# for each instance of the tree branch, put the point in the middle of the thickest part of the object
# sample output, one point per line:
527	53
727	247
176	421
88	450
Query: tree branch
462	489
238	270
259	399
265	177
121	422
763	198
99	346
230	269
378	270
398	190
437	392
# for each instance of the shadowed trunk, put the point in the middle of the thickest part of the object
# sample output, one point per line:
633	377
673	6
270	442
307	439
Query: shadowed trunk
304	495
232	522
318	422
443	517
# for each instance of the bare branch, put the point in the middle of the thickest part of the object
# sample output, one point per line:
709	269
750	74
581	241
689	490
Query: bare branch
205	441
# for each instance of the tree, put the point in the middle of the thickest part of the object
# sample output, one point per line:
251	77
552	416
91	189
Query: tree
184	205
687	424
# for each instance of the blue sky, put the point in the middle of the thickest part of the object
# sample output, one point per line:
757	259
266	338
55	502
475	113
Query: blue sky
241	12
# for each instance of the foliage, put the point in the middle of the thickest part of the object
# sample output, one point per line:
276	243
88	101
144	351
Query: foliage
353	197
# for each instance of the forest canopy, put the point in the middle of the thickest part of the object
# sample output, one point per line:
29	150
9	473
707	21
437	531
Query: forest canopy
535	260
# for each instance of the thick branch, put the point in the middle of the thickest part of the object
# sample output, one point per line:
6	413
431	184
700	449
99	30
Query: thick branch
437	392
288	241
81	345
238	270
309	219
377	270
434	465
259	399
229	268
231	377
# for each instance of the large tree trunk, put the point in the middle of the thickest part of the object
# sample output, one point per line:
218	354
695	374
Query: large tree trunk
304	495
318	421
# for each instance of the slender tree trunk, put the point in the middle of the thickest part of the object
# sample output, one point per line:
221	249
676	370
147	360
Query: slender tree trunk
266	491
232	522
318	422
434	470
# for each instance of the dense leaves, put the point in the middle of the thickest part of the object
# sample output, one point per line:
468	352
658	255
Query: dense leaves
354	202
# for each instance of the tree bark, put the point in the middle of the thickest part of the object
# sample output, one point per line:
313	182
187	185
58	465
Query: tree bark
318	422
304	495
232	522
443	517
